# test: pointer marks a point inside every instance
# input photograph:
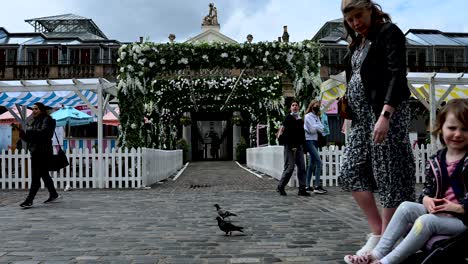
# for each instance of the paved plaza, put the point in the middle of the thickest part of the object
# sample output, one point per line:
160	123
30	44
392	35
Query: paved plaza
174	222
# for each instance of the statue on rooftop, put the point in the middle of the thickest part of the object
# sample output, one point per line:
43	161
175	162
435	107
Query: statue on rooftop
212	18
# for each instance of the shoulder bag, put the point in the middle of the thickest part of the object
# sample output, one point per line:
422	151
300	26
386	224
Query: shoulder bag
58	161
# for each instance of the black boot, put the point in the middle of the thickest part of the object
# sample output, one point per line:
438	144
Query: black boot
281	190
303	192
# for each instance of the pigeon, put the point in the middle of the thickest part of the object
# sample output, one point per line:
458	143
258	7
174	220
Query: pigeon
228	227
223	213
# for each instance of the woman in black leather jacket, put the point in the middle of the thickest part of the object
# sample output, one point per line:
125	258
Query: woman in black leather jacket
39	132
378	155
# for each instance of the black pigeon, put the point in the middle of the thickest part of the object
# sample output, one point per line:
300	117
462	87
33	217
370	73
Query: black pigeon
228	227
223	213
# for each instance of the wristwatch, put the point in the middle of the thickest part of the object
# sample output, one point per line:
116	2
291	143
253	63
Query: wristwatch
386	114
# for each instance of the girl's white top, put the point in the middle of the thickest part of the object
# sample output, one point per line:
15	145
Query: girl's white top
312	125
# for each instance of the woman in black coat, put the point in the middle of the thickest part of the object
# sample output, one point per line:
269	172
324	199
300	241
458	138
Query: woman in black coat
39	132
378	155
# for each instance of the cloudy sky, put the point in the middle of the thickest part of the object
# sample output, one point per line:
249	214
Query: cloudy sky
126	20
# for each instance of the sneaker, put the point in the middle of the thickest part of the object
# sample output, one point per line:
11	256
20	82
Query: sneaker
309	189
372	241
53	198
320	190
303	193
26	204
281	191
355	259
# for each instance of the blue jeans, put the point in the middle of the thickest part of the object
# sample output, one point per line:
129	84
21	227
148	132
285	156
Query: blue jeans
315	163
425	225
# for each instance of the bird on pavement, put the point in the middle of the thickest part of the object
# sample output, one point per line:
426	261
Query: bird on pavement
228	227
223	213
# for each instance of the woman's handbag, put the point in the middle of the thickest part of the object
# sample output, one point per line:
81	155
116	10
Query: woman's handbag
343	108
58	161
321	140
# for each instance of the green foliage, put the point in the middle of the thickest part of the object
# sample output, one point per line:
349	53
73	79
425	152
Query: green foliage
241	150
158	82
182	144
185	121
237	120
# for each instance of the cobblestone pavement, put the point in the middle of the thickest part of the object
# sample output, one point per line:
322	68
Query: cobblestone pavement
174	222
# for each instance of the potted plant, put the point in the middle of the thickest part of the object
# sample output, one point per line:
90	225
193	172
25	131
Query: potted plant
241	151
185	120
182	144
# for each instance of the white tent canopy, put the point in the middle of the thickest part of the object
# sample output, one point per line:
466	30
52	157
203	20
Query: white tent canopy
56	93
431	89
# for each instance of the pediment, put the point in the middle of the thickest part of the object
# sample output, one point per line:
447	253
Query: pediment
210	36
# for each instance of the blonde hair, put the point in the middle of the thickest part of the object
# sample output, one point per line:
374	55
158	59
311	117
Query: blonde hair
311	106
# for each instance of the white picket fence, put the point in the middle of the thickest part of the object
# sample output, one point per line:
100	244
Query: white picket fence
121	168
269	160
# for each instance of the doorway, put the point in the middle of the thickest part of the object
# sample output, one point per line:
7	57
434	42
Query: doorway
211	136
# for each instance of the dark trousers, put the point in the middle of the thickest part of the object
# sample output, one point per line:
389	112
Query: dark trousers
40	170
292	158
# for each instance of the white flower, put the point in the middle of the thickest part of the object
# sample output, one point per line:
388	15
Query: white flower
130	68
151	64
267	53
265	59
224	55
162	61
122	55
122	69
142	61
183	61
133	125
205	57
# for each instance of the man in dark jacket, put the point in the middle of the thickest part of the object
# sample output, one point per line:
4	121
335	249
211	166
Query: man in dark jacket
293	136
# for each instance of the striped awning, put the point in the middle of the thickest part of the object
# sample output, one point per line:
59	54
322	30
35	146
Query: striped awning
52	93
419	84
50	98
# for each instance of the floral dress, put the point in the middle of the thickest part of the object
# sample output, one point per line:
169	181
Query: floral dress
387	167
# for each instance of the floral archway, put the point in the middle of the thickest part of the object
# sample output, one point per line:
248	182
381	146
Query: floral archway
157	83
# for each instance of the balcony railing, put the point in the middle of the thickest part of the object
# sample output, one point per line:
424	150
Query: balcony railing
57	71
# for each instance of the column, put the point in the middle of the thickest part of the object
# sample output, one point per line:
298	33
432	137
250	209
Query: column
236	134
187	134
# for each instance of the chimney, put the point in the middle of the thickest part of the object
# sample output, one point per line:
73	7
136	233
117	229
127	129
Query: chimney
285	36
279	39
141	39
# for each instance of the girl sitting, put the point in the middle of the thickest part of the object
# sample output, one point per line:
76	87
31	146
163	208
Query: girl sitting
444	197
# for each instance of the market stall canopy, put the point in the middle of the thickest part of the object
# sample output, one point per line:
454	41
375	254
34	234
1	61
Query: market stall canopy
71	117
447	86
51	97
110	119
8	118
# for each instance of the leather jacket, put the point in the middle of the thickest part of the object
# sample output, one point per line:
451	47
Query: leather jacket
383	70
38	134
433	185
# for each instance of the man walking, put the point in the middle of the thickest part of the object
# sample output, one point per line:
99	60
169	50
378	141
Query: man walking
293	136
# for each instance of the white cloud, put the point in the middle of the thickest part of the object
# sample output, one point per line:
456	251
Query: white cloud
126	20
